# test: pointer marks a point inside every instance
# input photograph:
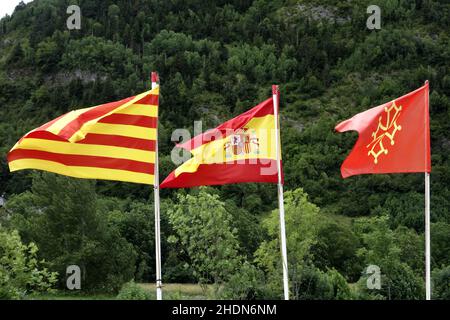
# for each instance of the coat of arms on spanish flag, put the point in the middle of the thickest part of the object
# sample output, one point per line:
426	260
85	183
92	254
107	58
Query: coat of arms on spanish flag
239	150
393	137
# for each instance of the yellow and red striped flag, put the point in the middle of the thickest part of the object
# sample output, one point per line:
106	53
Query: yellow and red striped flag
113	141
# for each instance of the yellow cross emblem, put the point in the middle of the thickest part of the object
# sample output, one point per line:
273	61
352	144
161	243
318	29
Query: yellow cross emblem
387	128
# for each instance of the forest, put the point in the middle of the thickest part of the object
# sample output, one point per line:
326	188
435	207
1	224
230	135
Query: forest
217	59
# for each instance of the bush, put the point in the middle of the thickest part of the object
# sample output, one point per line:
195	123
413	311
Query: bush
133	291
340	288
246	284
20	272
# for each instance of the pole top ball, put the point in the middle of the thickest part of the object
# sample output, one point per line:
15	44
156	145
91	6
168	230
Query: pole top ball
275	89
155	77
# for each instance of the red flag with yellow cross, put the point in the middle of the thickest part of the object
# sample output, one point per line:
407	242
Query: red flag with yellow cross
393	137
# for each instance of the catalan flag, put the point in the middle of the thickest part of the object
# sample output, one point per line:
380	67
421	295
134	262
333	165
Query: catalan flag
242	149
112	141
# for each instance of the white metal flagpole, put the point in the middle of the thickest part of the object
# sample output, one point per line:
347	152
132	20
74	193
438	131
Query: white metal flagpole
157	213
276	94
427	204
427	237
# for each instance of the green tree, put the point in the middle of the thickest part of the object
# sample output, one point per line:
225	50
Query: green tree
47	55
202	226
440	242
381	248
16	55
246	284
20	271
113	15
316	284
441	283
302	219
336	247
60	215
136	224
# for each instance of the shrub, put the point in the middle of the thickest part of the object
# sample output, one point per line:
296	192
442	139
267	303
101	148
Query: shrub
133	291
20	272
246	284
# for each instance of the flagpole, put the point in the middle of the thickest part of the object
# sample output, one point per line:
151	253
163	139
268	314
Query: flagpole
276	95
155	81
427	205
427	237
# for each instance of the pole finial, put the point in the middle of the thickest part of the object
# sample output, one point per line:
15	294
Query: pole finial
275	89
155	77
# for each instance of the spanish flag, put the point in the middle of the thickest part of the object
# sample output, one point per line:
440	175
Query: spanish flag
239	150
113	141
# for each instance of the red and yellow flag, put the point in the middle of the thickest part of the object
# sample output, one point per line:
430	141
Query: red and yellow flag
113	141
393	137
239	150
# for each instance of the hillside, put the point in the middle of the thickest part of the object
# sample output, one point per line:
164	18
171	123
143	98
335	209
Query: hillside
217	59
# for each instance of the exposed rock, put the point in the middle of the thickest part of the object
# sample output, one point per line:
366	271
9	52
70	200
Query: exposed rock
65	77
317	13
293	123
446	144
60	78
17	74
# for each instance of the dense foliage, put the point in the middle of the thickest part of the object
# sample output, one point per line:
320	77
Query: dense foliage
217	59
20	271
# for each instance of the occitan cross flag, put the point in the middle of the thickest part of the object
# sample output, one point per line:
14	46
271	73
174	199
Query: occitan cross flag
113	141
393	137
